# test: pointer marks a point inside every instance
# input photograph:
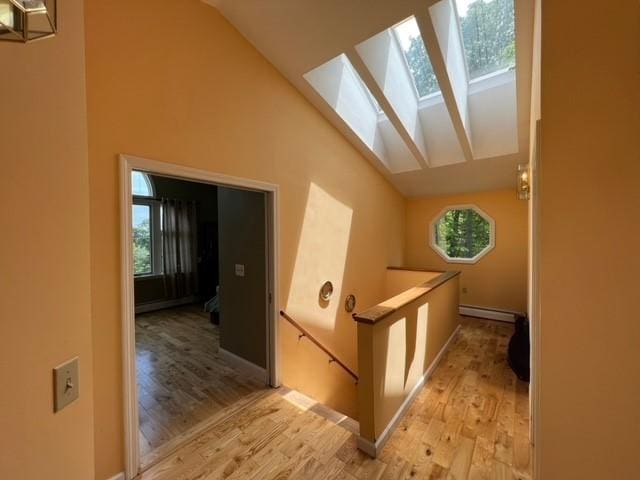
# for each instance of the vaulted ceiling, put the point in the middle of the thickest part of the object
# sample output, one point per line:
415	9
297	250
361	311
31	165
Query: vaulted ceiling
346	57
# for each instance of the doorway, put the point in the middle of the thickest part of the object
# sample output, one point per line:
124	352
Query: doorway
195	343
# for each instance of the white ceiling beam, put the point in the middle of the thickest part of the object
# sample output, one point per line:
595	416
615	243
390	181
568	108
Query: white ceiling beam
439	28
418	151
385	60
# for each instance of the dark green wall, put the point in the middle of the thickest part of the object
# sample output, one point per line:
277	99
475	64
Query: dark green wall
242	234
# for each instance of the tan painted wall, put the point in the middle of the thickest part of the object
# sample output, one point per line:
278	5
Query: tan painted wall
181	85
497	280
393	365
397	281
590	211
45	316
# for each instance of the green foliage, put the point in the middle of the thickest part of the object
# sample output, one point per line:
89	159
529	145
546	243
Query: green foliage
142	248
462	233
488	32
421	68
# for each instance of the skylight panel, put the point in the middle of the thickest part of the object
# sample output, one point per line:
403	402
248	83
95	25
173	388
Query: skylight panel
488	34
416	57
365	89
342	88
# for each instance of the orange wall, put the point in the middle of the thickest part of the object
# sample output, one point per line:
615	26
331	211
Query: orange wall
497	280
392	364
590	226
179	84
45	316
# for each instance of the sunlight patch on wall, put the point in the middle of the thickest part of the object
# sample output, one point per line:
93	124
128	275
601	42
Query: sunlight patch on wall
418	360
321	257
394	378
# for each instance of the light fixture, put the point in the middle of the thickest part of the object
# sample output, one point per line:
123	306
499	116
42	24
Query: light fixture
326	291
524	182
28	20
350	303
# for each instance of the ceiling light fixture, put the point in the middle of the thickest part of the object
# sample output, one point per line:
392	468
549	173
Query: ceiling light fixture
28	20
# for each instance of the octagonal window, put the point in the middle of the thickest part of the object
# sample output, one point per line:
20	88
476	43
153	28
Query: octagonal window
462	234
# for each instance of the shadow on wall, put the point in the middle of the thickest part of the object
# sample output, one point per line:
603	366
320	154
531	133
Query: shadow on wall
398	349
407	337
322	256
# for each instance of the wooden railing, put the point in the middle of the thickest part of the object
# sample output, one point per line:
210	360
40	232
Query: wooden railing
305	333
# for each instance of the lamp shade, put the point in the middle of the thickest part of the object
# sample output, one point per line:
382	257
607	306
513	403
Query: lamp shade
27	20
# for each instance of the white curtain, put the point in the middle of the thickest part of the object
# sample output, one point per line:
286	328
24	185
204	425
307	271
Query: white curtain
179	244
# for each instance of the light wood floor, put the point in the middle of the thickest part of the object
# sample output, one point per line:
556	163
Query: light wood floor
469	422
181	380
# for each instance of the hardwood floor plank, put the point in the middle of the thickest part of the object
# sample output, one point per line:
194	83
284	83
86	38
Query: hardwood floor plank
182	383
470	421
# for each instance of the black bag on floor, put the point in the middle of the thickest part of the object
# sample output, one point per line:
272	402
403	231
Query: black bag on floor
519	349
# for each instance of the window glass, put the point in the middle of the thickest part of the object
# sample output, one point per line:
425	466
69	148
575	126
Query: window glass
462	233
415	54
141	184
488	34
142	251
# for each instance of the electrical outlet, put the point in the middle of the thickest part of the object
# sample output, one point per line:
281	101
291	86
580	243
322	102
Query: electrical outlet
66	384
464	289
239	270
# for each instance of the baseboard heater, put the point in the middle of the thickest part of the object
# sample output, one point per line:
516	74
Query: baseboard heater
153	306
489	313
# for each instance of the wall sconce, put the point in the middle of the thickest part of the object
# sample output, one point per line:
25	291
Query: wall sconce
326	291
28	20
350	303
524	182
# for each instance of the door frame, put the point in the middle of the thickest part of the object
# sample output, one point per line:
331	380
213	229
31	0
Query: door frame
535	308
128	163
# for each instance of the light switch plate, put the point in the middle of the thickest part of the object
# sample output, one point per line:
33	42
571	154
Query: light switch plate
66	384
239	270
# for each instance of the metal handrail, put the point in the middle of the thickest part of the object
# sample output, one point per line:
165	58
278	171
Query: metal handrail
305	333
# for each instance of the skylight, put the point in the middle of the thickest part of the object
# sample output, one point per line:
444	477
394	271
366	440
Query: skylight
488	35
415	55
341	86
359	81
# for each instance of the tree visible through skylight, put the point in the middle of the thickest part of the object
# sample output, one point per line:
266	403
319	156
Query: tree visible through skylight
415	53
488	33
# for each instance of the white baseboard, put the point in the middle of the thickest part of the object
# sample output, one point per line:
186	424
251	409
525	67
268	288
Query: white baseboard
119	476
244	365
373	449
150	307
488	313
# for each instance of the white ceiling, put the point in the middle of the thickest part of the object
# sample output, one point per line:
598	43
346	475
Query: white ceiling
297	36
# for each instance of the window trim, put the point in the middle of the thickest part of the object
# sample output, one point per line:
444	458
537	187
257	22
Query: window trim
492	80
469	261
155	207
